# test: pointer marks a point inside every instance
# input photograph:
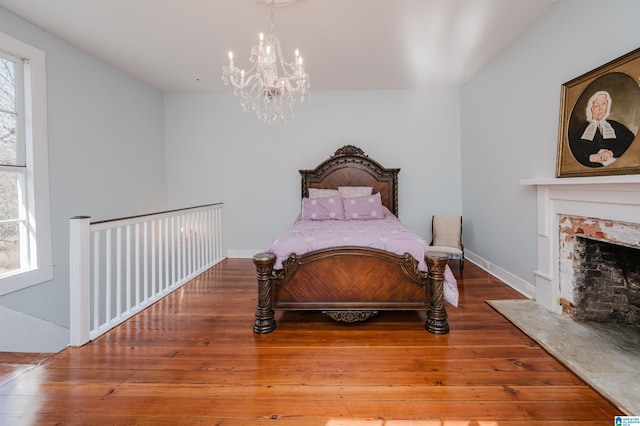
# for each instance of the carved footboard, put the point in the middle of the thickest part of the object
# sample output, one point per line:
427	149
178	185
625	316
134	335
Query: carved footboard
349	285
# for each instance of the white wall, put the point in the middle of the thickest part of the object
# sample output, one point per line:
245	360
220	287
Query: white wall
216	152
510	116
106	157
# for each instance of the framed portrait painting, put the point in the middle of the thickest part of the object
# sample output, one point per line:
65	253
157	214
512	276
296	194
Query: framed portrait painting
600	119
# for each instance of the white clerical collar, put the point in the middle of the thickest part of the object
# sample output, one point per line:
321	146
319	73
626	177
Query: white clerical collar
605	129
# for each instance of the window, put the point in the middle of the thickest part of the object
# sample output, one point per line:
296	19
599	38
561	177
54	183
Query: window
25	231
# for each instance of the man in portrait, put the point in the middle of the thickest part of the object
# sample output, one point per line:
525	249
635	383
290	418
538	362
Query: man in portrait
599	141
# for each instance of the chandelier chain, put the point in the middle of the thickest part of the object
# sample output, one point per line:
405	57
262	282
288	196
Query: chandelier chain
272	18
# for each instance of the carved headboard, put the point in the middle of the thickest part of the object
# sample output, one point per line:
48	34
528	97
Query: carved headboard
350	166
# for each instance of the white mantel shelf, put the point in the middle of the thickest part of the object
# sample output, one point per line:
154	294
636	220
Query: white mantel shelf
591	180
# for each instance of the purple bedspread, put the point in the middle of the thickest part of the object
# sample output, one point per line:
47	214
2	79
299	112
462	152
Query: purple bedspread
388	234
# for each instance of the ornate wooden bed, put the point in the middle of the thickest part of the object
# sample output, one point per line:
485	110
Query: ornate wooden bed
351	283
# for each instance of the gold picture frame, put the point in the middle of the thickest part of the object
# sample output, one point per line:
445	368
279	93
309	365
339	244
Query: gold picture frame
600	119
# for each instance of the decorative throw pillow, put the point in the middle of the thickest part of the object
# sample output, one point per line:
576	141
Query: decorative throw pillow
323	208
355	191
322	192
364	208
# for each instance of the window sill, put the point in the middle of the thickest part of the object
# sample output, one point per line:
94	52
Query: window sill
22	280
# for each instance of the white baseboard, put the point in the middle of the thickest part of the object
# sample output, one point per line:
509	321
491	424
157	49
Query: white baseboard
242	253
518	284
20	332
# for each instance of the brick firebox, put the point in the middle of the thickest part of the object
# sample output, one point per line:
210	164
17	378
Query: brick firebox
606	280
599	263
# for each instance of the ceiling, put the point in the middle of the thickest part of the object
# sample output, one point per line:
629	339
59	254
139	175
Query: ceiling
181	45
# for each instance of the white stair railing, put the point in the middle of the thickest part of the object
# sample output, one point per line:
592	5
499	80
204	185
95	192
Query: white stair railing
120	267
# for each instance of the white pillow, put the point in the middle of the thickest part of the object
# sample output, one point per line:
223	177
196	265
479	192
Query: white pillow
355	191
322	192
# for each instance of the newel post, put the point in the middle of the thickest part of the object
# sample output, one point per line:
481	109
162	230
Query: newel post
79	236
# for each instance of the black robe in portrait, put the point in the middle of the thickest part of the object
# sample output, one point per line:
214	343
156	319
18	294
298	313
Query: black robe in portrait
583	148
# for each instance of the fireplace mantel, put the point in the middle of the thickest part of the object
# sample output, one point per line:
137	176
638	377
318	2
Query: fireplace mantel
615	198
595	180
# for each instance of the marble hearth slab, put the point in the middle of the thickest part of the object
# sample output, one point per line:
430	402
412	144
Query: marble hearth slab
606	357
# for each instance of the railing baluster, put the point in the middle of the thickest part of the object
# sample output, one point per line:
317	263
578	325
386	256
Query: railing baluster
153	258
200	240
118	271
160	247
173	249
194	242
189	233
137	264
180	246
96	280
108	295
128	268
145	254
167	242
207	223
219	233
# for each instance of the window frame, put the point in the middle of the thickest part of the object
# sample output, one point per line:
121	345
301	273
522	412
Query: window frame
36	173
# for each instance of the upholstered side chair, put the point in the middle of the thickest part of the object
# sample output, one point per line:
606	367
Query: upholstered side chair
446	232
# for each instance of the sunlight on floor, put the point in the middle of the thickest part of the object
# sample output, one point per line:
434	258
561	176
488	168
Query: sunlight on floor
380	422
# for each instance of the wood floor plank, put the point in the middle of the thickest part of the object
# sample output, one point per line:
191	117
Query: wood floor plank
320	392
193	359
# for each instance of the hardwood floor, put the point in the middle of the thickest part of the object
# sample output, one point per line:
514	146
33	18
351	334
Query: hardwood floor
192	358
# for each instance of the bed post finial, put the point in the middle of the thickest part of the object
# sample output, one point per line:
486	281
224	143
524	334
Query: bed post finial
349	150
265	316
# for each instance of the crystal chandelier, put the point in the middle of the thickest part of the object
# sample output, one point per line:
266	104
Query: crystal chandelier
272	85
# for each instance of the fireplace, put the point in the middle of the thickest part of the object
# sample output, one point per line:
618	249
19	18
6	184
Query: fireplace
573	214
602	208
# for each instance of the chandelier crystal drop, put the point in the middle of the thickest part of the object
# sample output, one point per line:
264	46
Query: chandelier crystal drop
272	85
